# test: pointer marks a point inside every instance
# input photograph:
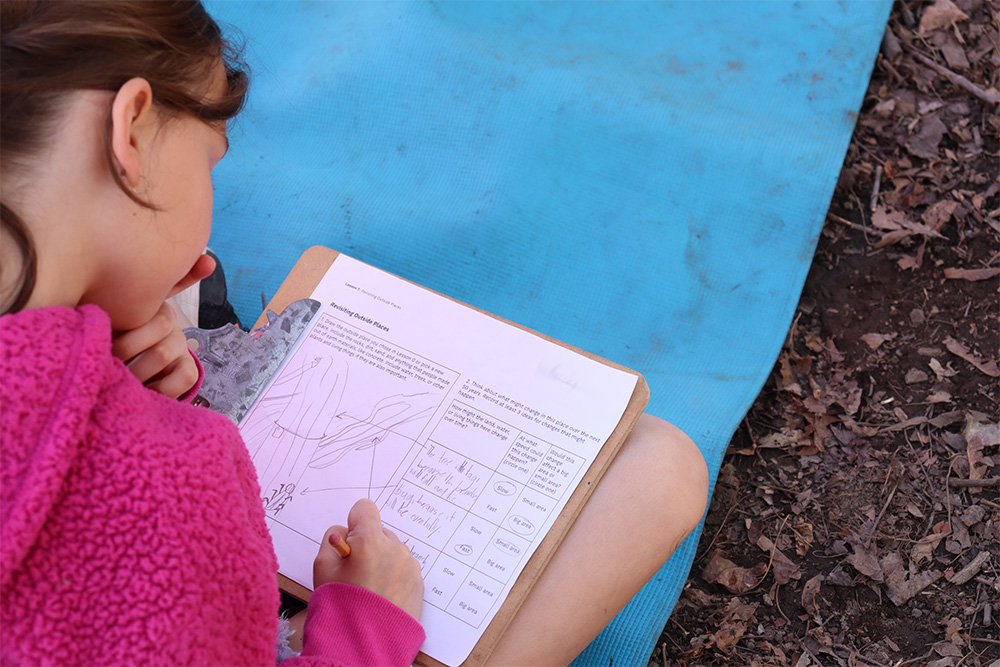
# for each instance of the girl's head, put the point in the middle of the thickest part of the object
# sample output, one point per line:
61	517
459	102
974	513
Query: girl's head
112	115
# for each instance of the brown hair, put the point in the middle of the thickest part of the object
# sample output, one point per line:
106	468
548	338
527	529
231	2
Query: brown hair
49	48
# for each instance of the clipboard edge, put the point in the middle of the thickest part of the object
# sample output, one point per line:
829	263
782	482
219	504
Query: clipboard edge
300	282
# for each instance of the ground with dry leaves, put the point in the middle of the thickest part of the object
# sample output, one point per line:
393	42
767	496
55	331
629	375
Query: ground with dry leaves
856	519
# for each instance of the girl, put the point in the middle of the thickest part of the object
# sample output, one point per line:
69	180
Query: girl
132	526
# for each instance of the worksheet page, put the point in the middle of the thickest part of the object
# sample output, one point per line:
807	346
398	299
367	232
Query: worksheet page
468	433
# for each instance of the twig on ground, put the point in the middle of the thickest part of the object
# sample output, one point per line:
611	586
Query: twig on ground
672	641
857	654
843	221
914	661
777	601
966	483
884	62
970	570
947	490
770	561
923	467
722	525
861	210
985	95
878	519
873	204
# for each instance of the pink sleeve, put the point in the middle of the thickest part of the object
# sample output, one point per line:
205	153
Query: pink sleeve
351	626
192	393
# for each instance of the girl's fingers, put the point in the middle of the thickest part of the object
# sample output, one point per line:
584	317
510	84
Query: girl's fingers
379	561
157	355
202	268
177	379
163	357
339	544
129	344
364	518
329	538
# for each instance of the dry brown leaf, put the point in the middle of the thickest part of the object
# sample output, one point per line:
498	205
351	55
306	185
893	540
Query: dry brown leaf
730	625
809	593
939	213
978	436
973	515
924	107
946	419
779	656
803	536
784	440
788	379
827	392
942	13
784	569
907	262
940	371
989	367
736	579
733	625
924	548
892	237
987	432
960	541
954	53
864	560
953	632
941	421
905	424
821	433
875	340
885	108
926	143
947	649
940	396
902	585
814	342
888	220
831	349
943	662
859	430
972	275
897	227
696	597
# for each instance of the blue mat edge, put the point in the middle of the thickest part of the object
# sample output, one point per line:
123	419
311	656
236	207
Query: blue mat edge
601	650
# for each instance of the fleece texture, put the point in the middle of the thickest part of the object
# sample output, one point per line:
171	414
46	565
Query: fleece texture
131	524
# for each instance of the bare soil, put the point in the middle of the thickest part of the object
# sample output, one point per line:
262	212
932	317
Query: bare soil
856	518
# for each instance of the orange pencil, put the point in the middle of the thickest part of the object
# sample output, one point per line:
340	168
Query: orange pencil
341	545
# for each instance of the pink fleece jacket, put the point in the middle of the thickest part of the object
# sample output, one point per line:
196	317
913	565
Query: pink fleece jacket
131	527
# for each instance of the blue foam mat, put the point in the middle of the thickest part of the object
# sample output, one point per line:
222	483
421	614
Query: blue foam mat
643	180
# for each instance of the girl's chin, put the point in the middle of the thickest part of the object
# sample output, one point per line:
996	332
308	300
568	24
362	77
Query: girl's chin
132	319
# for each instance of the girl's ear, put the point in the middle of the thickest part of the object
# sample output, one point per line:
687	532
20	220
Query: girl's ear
132	128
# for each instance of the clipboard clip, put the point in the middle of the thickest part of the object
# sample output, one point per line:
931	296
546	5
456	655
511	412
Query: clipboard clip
238	365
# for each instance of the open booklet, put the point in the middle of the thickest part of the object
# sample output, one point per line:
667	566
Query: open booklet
478	440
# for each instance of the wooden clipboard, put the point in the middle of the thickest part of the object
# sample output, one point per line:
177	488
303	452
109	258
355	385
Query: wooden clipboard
300	283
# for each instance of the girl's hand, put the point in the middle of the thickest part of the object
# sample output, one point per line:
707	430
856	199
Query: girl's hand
378	562
157	354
